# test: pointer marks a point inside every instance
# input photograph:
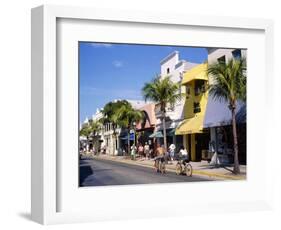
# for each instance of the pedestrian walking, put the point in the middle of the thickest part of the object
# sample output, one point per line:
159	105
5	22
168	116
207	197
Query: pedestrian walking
133	152
146	150
172	149
141	150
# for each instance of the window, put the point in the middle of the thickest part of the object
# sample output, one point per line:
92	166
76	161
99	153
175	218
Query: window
236	54
168	70
221	60
203	88
196	107
199	87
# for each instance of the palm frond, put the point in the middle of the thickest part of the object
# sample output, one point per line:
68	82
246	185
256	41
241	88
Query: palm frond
229	80
162	91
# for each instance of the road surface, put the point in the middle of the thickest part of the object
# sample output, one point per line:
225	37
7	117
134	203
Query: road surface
98	172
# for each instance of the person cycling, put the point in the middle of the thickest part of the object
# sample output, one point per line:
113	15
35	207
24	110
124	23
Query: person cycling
183	166
183	154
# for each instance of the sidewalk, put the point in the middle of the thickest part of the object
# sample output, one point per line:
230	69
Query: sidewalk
202	168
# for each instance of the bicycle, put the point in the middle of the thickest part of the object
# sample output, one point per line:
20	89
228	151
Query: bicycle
184	167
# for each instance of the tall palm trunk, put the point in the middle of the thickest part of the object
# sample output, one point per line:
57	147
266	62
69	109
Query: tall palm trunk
114	143
114	139
129	147
236	168
88	145
164	130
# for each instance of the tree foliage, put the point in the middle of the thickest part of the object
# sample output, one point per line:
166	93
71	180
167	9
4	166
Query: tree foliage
229	81
162	91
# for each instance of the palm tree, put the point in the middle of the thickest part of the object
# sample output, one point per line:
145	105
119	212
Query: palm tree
126	116
86	131
165	93
230	86
109	115
95	127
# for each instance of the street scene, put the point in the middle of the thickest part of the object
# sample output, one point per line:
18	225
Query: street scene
99	172
161	114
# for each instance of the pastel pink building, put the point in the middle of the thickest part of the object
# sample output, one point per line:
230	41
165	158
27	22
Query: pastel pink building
147	126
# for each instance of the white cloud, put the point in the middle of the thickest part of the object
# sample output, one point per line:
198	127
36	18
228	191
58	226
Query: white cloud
117	64
99	45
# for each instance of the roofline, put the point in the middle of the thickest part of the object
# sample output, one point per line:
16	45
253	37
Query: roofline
169	57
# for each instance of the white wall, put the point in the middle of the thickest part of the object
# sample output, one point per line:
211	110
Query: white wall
172	60
217	53
15	114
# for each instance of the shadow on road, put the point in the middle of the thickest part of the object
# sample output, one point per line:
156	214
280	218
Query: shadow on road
84	172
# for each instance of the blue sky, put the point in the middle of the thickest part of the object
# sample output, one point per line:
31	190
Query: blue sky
118	71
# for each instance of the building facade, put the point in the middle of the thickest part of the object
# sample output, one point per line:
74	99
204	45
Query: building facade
146	128
174	68
195	138
218	115
206	126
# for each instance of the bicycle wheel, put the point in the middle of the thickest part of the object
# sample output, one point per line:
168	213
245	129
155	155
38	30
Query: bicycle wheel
178	169
188	170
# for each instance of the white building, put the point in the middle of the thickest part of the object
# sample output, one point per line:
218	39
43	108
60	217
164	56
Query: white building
173	67
98	139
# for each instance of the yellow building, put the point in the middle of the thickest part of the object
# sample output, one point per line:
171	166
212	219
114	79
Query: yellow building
195	139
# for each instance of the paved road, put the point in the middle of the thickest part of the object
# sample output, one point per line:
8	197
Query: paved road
98	172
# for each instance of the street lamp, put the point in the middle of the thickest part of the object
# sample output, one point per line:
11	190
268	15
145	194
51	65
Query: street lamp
134	125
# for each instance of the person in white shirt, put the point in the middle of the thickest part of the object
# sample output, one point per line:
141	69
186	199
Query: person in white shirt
172	148
133	152
184	155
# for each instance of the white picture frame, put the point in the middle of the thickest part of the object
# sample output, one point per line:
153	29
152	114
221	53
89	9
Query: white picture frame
46	182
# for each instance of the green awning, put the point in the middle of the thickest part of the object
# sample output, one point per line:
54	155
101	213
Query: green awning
156	135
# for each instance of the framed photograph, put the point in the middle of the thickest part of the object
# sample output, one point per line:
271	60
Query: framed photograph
141	114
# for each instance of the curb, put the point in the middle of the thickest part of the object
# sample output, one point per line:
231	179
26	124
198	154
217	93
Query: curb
216	175
195	172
